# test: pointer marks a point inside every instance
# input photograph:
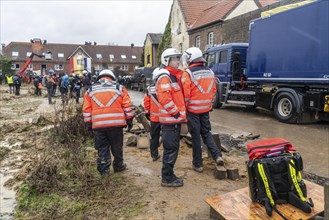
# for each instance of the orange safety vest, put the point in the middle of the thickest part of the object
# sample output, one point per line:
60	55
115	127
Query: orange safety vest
170	98
107	105
199	87
151	103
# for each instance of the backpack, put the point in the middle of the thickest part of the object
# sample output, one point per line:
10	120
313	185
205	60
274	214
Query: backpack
65	82
274	171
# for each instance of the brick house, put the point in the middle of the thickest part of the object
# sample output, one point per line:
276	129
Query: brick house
198	23
151	45
121	59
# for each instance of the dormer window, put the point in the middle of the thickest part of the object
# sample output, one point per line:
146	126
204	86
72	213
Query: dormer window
123	56
14	54
99	56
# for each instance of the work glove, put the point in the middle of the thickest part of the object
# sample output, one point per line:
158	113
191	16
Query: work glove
177	115
148	117
129	124
89	126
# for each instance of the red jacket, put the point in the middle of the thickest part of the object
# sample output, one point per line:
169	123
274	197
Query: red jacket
107	105
199	86
170	97
151	104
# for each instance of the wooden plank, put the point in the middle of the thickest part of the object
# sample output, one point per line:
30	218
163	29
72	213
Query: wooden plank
237	205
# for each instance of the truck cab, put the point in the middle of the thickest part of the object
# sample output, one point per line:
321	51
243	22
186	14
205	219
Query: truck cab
228	62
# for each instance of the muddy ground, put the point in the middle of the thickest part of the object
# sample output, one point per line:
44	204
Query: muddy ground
18	113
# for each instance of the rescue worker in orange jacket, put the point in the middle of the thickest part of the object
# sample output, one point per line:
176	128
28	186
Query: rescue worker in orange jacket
199	88
151	106
172	114
107	109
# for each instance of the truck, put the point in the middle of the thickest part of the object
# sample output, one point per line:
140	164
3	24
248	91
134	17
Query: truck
284	67
142	78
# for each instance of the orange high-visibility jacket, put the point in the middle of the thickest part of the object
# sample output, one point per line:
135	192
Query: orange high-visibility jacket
107	105
170	98
151	103
199	86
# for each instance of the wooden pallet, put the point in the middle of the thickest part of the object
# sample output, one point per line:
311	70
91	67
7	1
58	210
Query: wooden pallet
237	205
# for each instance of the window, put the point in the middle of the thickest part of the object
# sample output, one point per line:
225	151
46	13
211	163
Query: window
99	56
60	55
110	68
81	62
134	57
58	67
124	68
223	57
211	38
123	56
14	66
179	29
148	59
211	59
48	56
30	67
28	54
197	41
111	56
14	54
98	67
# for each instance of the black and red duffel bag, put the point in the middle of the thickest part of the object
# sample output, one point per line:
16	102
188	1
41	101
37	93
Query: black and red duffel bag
269	148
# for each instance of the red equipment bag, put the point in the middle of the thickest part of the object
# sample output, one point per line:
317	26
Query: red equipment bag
269	148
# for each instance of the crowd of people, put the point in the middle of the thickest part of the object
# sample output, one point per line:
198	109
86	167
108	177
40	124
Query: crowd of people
176	97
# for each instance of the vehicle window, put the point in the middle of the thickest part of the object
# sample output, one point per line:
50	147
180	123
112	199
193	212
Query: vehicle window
211	59
223	57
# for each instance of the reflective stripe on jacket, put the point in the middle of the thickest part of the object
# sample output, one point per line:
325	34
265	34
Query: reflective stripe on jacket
151	103
170	98
107	105
199	88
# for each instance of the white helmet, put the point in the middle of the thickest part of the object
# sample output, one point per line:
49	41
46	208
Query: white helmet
169	53
84	72
107	73
156	72
192	55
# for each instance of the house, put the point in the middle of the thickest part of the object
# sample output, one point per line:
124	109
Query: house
197	23
58	56
151	44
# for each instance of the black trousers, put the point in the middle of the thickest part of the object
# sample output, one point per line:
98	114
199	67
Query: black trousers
199	125
17	89
109	140
170	136
155	136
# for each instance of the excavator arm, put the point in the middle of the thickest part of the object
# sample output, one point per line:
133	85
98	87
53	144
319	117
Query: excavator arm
29	60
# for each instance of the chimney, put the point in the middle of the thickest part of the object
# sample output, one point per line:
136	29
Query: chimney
3	46
36	45
132	45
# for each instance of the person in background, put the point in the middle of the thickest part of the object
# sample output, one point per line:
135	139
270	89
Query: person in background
199	88
172	114
151	106
10	83
86	82
106	110
63	84
17	83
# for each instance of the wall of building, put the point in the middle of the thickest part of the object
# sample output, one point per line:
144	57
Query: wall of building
179	36
148	51
233	30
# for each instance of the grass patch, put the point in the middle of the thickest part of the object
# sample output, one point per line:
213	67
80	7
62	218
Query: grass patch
65	184
3	152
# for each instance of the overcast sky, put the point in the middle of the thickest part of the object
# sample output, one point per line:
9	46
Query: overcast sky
120	22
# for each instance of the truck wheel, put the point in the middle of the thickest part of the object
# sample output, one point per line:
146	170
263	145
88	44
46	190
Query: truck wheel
285	108
216	103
